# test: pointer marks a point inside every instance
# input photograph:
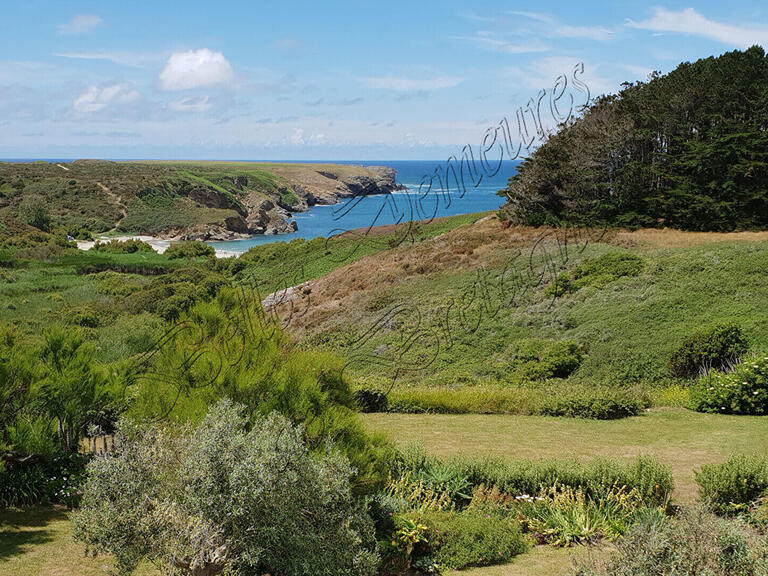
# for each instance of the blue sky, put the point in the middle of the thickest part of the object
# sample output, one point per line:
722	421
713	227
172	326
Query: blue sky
320	80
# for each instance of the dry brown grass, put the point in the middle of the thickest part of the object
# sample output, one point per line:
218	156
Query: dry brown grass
667	238
354	286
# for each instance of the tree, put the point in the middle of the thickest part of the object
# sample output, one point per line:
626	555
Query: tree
224	498
70	388
686	150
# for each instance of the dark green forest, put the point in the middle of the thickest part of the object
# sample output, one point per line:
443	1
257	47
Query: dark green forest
686	150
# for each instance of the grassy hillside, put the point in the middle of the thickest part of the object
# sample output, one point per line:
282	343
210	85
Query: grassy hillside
171	198
461	298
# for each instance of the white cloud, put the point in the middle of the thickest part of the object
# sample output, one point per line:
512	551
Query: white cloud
689	21
641	72
135	59
195	69
297	138
404	84
542	73
96	98
491	41
80	24
555	28
199	104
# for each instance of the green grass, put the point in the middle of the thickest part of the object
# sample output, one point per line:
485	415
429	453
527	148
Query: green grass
682	439
630	327
38	542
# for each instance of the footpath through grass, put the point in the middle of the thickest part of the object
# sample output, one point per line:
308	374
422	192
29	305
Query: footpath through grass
682	439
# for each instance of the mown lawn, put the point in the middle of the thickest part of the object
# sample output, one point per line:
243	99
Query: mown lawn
682	439
38	542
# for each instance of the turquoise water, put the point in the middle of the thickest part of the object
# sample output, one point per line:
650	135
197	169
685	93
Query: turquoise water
410	204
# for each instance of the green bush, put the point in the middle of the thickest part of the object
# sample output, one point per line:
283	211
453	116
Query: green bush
743	391
554	399
129	246
226	498
713	349
561	516
646	475
192	249
607	268
50	479
536	359
371	400
472	538
733	485
601	403
693	543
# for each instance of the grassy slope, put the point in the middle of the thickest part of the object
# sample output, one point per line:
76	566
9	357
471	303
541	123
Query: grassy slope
680	438
282	264
631	326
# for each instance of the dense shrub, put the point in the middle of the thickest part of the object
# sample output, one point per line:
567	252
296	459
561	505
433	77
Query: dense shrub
57	478
36	214
371	400
604	269
561	516
471	538
733	485
742	391
129	246
574	400
228	348
695	542
650	479
536	359
602	403
193	249
225	498
713	349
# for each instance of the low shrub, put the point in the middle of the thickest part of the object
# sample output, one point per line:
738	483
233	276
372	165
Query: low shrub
562	516
650	479
714	349
129	246
193	249
55	479
597	272
371	400
116	284
694	542
472	538
733	485
601	403
607	268
742	391
536	359
573	400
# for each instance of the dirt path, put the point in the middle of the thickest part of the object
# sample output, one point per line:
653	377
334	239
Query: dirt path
118	200
63	167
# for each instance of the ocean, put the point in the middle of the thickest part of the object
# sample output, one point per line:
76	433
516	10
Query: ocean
352	213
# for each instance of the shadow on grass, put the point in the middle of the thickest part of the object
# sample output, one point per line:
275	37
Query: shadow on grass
21	529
